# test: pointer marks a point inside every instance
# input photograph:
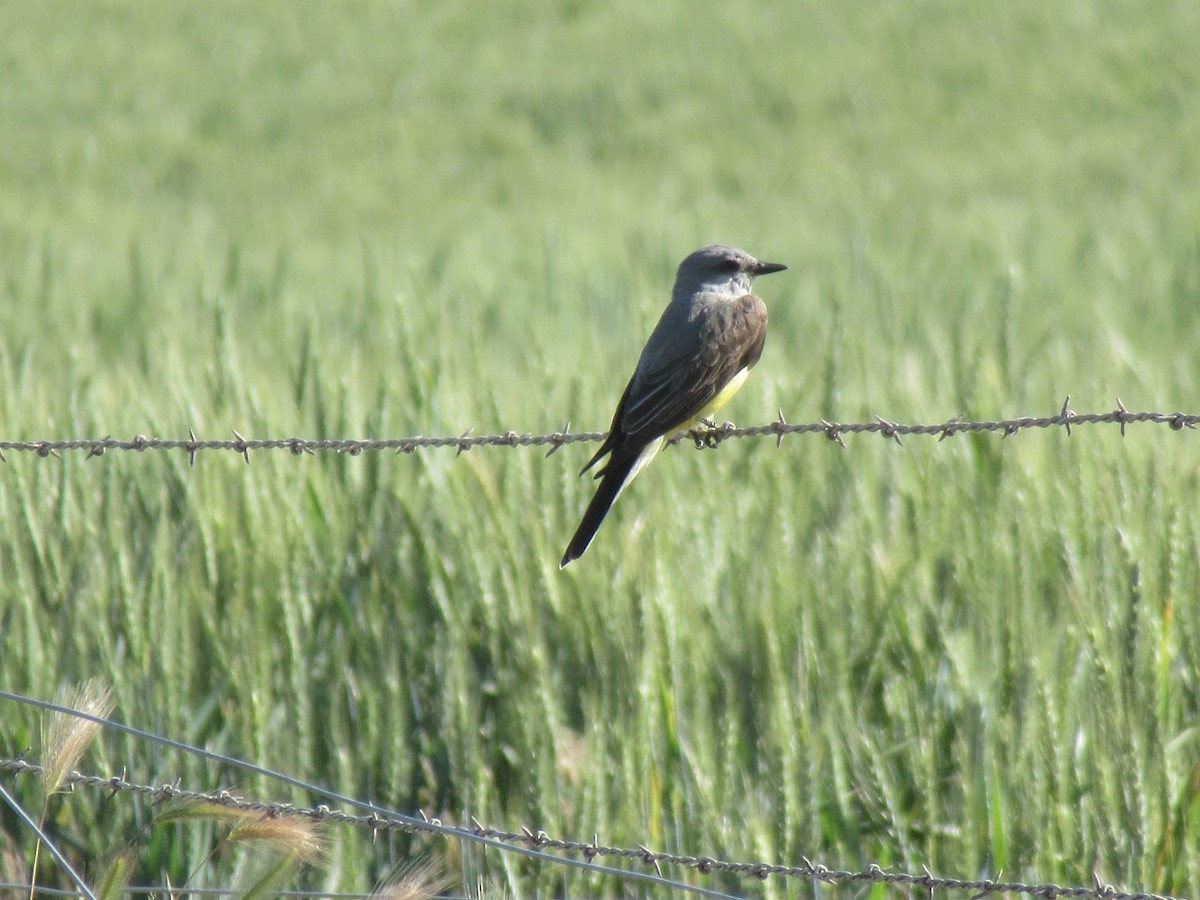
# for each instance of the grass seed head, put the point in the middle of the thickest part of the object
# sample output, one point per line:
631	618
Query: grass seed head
291	835
65	737
419	880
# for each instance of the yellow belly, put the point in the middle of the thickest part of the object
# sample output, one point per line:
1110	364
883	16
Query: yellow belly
651	450
724	396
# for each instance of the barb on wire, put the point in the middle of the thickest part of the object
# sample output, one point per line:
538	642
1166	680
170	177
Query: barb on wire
21	889
542	843
705	436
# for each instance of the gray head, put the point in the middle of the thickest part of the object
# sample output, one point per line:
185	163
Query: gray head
717	269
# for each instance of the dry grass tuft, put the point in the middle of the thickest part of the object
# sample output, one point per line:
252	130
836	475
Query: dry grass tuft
66	737
416	881
292	836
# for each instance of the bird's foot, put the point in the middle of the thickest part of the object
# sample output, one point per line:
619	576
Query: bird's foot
706	434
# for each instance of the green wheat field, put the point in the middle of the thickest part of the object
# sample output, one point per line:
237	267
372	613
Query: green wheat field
380	220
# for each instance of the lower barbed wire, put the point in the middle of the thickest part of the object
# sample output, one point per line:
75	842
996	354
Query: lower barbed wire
543	842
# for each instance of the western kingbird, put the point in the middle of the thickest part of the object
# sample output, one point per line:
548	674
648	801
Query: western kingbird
698	355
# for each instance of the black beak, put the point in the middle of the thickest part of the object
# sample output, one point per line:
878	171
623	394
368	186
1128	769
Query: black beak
766	268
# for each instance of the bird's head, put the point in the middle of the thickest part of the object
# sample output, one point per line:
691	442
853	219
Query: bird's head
717	269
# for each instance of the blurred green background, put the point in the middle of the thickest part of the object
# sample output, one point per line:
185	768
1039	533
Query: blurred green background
379	220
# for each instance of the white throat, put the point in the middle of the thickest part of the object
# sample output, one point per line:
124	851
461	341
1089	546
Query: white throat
731	286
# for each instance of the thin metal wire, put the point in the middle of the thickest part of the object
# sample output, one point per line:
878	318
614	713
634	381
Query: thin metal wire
22	889
47	843
704	436
380	818
541	842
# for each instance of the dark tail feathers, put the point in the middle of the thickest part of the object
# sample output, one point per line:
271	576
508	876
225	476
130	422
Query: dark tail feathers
610	485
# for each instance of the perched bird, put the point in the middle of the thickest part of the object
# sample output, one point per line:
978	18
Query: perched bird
710	335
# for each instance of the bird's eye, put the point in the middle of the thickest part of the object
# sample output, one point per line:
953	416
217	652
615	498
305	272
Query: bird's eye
731	265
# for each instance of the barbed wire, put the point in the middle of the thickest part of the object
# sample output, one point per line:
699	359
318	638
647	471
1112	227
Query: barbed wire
151	890
193	891
708	435
541	841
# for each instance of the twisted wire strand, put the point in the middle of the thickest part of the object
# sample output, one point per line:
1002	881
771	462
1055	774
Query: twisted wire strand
704	436
540	841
